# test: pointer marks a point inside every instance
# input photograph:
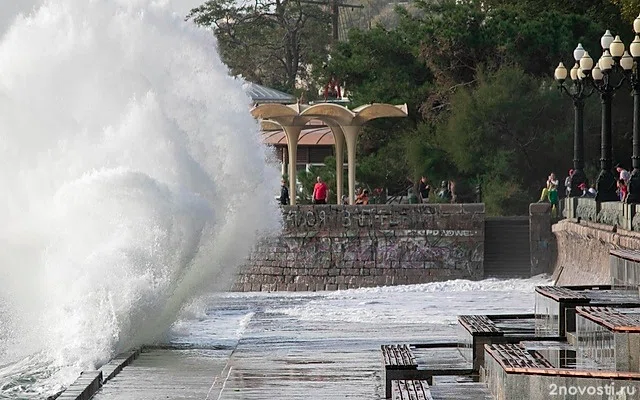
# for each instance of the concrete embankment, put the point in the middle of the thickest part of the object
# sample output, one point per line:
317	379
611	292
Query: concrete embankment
345	247
90	382
582	256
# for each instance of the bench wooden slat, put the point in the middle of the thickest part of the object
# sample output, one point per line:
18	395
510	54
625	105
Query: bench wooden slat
407	389
398	356
479	325
559	293
611	318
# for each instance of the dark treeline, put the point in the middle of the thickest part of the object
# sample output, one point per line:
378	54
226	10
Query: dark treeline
484	109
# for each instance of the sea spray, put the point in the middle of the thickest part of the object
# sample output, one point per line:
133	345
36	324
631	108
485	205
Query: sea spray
132	174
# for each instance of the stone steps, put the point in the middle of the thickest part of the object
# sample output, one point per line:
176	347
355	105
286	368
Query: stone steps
507	252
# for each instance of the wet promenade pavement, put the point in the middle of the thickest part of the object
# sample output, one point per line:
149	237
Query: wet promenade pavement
296	346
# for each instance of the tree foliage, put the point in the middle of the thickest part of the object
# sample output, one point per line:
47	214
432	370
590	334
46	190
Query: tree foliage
476	75
383	66
479	73
271	42
508	132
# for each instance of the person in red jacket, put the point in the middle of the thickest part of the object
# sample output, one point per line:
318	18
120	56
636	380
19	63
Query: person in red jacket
320	192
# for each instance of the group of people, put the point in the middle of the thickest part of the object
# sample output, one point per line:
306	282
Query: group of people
320	194
550	191
445	192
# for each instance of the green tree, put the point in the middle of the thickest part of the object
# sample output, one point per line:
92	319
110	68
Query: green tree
426	158
510	131
457	38
272	42
380	65
385	168
628	9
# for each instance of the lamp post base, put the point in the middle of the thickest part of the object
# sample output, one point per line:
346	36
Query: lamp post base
634	187
606	186
577	178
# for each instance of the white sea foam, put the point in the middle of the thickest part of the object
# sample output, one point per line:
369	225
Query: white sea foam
133	177
430	303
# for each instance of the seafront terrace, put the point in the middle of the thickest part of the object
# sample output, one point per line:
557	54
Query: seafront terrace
494	356
554	344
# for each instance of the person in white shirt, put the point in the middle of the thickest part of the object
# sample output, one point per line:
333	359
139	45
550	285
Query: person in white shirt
624	175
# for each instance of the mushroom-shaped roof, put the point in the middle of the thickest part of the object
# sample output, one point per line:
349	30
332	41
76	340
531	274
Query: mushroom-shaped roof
379	110
268	125
315	136
331	113
340	114
288	115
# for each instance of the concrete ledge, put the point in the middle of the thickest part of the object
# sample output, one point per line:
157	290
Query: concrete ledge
84	388
90	382
113	367
583	252
473	208
539	208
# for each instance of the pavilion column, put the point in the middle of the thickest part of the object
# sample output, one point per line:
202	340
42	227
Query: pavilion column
351	136
284	161
293	133
339	141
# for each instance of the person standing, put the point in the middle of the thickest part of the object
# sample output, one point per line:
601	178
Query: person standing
550	194
284	193
623	175
320	192
567	183
622	189
423	190
363	198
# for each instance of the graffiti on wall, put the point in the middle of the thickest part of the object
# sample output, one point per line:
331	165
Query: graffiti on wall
374	218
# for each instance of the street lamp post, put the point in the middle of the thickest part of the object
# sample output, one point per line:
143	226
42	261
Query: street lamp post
578	92
634	75
602	75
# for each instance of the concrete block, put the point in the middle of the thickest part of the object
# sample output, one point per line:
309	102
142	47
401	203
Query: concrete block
301	287
256	287
539	208
473	208
269	287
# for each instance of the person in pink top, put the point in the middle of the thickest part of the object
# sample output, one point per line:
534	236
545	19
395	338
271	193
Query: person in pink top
320	192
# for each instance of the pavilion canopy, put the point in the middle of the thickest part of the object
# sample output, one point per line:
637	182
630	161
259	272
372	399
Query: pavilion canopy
314	133
344	124
261	94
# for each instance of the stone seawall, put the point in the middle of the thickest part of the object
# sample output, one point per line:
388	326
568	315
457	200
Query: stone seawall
583	251
340	247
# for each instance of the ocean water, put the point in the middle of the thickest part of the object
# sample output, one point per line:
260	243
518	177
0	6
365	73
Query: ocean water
218	317
130	168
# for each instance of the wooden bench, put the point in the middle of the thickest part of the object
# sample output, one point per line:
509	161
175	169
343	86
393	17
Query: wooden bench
400	364
479	325
516	357
478	330
398	356
398	360
612	319
410	390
